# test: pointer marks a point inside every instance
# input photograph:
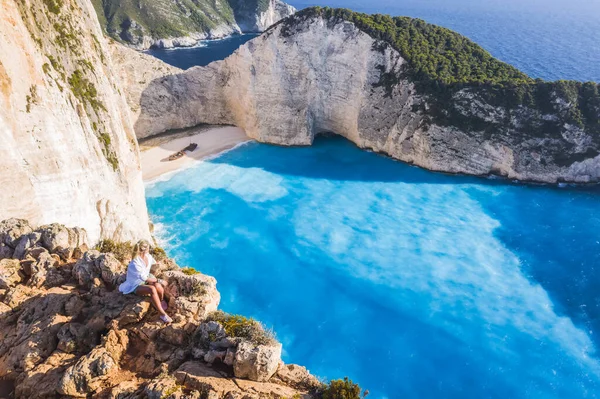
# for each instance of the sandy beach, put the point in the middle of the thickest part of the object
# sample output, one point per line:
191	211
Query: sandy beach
210	139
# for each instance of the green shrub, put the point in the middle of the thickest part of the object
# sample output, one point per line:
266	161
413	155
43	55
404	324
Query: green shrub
342	389
84	90
54	5
121	250
189	271
158	253
243	327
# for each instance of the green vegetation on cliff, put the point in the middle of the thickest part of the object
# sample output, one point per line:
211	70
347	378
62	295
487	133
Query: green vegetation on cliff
445	65
130	20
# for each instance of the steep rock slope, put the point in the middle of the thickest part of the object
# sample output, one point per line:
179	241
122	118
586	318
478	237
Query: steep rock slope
68	152
419	93
163	23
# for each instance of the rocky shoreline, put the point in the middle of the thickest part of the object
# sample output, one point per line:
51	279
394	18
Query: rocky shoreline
66	330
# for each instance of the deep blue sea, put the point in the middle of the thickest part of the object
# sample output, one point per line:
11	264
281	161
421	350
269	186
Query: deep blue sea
414	284
548	39
205	52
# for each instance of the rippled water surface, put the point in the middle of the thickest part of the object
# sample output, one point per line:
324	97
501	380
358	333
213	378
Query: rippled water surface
412	283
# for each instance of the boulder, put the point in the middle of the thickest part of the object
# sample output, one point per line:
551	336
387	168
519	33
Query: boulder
195	295
12	229
10	273
62	240
88	374
26	242
256	362
84	270
6	252
39	269
110	269
208	332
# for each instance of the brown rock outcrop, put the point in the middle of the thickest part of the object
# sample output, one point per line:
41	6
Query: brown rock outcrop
66	331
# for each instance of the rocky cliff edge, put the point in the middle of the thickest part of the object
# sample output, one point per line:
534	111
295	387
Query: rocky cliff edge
66	330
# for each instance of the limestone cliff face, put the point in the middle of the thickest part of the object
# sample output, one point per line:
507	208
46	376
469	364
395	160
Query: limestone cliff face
290	84
68	152
251	18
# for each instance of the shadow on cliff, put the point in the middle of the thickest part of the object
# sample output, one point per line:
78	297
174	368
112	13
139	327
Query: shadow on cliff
333	157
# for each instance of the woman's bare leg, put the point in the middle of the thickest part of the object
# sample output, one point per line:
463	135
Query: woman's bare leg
150	290
160	290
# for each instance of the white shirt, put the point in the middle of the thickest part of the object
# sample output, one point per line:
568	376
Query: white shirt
137	274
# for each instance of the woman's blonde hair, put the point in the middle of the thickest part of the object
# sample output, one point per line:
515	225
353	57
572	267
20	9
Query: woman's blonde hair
137	246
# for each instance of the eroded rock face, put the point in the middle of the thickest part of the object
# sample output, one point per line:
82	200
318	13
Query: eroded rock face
68	150
314	76
90	372
10	273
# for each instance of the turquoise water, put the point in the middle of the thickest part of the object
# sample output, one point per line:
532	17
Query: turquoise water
412	283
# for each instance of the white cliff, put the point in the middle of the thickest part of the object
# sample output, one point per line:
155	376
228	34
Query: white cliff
68	152
312	76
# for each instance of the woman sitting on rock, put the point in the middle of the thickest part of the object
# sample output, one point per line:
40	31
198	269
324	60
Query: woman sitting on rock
142	282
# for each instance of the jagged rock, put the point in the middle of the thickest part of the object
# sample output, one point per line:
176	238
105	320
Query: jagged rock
297	377
4	310
195	295
111	270
163	266
10	273
89	373
39	271
35	252
126	390
75	337
195	375
229	357
208	332
41	381
162	388
12	229
256	362
213	355
25	243
134	311
17	295
48	334
33	326
62	240
84	269
73	306
6	252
